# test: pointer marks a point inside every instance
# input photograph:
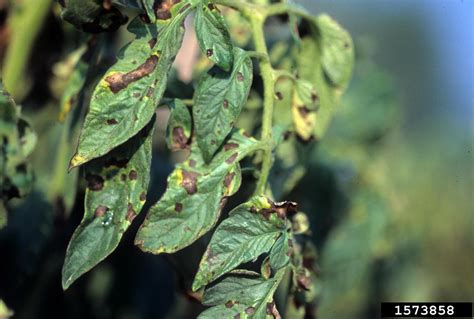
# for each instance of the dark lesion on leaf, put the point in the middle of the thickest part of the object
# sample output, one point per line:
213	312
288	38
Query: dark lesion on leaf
232	158
230	146
112	121
190	181
229	304
100	211
250	310
163	8
180	140
133	175
304	111
272	310
142	196
178	207
131	214
228	179
240	77
152	42
94	182
285	209
281	209
120	81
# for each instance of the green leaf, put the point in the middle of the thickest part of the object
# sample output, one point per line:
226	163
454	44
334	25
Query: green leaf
236	294
218	100
325	60
337	53
242	296
279	254
194	197
17	141
178	131
213	35
116	192
237	288
251	230
125	99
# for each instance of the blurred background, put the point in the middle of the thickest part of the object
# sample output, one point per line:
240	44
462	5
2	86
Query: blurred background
389	191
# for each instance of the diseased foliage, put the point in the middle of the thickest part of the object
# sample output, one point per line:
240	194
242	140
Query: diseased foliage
17	141
294	93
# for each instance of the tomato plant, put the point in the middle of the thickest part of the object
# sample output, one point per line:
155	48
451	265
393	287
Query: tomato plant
251	99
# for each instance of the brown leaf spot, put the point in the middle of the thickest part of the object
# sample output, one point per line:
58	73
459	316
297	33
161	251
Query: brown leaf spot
228	179
286	208
163	9
112	121
209	52
180	141
133	175
250	310
237	316
240	77
178	207
229	304
314	97
131	214
152	43
94	182
230	146
142	196
226	104
272	310
120	81
149	92
232	158
100	211
190	182
304	111
123	177
279	96
211	6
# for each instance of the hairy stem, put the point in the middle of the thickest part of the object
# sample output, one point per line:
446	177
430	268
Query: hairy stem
268	77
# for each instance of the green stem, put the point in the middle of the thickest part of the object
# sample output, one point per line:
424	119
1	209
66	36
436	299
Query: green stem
25	22
268	77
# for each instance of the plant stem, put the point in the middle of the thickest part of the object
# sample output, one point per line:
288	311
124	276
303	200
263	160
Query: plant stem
268	77
26	21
